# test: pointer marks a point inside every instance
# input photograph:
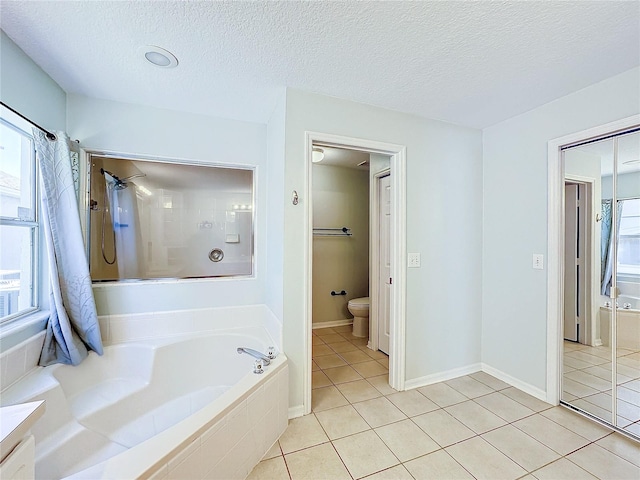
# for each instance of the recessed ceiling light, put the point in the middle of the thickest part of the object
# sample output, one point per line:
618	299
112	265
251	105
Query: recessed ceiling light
317	154
158	56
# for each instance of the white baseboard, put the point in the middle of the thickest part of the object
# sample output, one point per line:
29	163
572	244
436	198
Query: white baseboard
514	382
297	411
473	368
598	342
332	323
441	376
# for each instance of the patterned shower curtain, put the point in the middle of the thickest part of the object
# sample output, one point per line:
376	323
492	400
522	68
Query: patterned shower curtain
606	244
72	328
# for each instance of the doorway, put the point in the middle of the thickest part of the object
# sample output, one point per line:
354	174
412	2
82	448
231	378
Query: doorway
396	254
579	239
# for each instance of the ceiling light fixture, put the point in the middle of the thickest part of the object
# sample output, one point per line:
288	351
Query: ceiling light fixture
317	154
158	56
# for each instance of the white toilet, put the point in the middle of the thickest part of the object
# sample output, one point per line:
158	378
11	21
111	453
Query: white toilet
359	308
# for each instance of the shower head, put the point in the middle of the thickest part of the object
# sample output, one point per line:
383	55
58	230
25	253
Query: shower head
107	172
116	182
119	183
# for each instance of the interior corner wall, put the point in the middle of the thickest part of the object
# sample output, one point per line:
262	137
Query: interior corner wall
514	302
108	126
274	295
444	224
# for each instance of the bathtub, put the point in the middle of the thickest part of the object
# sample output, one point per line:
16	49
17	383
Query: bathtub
632	301
184	406
628	323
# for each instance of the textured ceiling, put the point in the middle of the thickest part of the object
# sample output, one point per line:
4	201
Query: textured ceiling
470	63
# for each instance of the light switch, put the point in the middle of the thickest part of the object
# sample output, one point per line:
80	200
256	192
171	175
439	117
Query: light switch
538	261
413	260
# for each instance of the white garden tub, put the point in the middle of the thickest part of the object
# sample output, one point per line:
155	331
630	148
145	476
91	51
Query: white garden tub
180	407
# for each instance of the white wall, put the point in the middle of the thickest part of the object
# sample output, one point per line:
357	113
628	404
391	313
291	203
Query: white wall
25	87
276	200
515	220
444	221
137	130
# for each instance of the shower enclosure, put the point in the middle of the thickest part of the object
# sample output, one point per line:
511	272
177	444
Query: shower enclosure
150	220
601	349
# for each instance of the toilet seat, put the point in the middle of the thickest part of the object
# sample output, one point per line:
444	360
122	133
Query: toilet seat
359	302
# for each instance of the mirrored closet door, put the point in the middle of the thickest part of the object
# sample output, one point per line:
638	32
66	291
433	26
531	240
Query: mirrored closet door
601	324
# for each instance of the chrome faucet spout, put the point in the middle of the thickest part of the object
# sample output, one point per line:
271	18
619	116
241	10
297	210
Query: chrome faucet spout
255	354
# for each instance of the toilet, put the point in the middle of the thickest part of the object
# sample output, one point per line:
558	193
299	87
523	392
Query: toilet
359	308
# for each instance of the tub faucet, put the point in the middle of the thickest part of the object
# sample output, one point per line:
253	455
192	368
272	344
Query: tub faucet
260	356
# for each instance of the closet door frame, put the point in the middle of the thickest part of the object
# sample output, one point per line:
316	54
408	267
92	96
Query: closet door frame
555	247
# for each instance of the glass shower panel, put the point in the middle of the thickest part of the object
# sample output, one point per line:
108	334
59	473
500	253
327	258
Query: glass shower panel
628	284
587	375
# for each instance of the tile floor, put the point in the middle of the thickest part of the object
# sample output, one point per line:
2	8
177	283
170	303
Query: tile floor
474	426
587	383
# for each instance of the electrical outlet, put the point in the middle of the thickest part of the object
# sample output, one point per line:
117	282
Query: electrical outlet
538	261
413	260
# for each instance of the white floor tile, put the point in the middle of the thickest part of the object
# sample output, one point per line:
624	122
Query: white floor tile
341	422
437	465
317	462
406	440
604	464
364	454
302	432
484	461
562	469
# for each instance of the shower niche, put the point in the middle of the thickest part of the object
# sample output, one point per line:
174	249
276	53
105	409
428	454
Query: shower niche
149	219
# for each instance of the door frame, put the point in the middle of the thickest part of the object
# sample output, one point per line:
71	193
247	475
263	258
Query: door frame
397	320
374	268
590	300
555	243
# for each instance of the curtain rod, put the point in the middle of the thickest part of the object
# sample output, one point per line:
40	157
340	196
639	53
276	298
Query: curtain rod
49	135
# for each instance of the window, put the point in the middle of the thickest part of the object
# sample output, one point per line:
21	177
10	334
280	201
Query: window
152	220
19	228
629	238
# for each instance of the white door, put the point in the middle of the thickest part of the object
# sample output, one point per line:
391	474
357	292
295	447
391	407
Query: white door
384	256
571	255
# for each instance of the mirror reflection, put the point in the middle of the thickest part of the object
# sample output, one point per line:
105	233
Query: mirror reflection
150	220
627	271
601	323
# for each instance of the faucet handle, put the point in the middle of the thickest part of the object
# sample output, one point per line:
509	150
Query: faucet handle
271	353
258	367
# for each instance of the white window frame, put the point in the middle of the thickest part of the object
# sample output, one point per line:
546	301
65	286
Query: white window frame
623	273
14	122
